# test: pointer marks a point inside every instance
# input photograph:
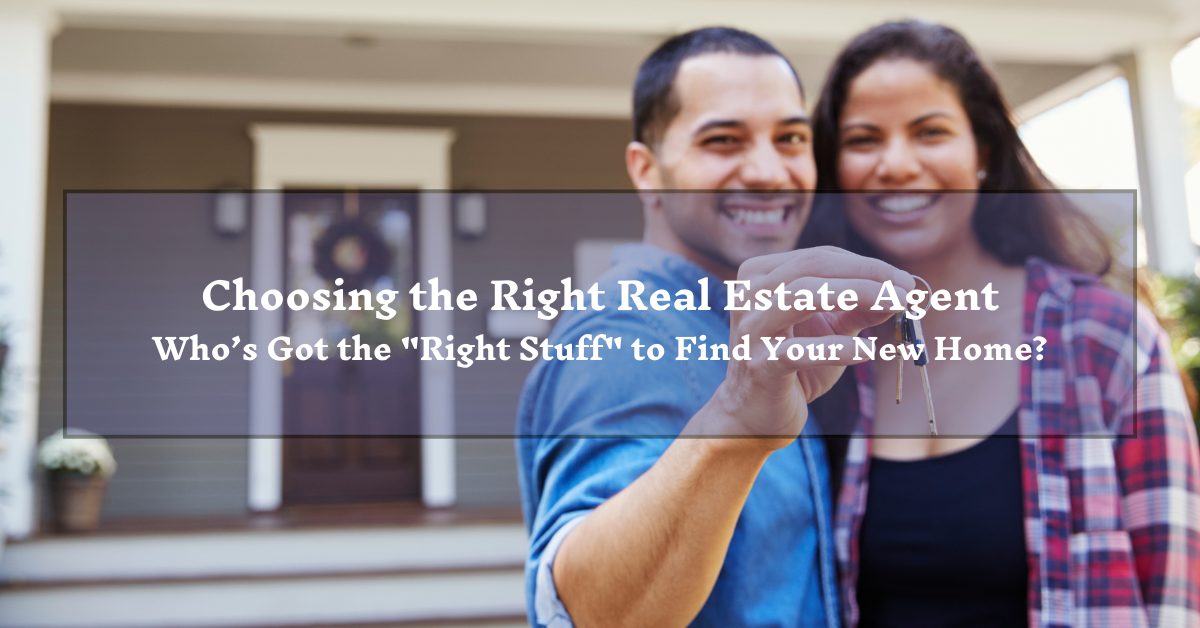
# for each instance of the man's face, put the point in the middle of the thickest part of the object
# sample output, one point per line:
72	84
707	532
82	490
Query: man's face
742	130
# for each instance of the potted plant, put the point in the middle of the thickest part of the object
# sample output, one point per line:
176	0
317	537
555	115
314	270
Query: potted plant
78	466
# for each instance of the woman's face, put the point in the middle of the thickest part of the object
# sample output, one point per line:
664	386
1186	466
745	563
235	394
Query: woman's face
906	142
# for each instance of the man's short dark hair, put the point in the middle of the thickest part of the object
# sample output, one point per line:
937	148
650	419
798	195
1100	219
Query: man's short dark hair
654	100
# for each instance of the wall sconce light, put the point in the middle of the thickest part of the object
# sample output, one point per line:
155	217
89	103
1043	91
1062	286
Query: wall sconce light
470	214
230	213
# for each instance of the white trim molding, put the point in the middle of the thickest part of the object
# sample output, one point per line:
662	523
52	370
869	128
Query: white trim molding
297	155
1066	32
244	92
25	33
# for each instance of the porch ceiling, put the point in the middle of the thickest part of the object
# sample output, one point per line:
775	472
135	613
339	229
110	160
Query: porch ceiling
530	57
589	79
1080	31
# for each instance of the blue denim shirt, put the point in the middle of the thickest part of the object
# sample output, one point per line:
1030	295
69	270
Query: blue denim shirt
620	415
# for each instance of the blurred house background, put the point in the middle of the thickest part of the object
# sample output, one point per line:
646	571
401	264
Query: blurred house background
467	95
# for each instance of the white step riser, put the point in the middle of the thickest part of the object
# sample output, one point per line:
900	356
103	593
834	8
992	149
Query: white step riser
393	598
262	553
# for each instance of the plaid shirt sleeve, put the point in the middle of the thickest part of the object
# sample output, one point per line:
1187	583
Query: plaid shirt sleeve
1159	475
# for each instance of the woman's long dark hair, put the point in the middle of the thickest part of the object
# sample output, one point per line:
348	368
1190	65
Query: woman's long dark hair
1044	223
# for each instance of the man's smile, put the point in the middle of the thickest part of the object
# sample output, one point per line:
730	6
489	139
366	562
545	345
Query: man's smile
762	215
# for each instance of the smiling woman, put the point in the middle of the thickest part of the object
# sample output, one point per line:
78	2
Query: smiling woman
913	126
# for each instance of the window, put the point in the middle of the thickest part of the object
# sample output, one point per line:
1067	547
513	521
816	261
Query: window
1185	72
1087	143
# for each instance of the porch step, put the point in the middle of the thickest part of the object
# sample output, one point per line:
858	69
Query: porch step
464	575
261	553
332	601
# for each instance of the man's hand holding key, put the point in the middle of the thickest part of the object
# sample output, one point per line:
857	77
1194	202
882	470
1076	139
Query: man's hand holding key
769	398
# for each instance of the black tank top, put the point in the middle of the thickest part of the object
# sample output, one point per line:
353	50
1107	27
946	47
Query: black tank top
942	542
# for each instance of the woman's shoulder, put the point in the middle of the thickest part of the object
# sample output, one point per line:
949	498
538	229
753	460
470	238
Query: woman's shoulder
1105	317
1089	298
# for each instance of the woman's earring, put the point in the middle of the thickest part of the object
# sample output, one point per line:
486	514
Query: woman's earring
982	174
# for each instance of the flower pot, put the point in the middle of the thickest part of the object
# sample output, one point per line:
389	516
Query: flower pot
77	500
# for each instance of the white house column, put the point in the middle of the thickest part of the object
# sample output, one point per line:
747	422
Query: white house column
1162	159
25	32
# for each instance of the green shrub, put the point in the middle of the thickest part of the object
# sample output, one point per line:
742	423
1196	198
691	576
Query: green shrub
1178	301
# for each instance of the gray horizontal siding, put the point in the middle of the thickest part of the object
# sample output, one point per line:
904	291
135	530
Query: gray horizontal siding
120	147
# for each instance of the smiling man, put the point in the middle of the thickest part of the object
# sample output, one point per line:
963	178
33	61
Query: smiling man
640	510
732	119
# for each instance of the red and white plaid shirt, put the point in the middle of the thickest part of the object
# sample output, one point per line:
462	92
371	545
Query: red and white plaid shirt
1110	465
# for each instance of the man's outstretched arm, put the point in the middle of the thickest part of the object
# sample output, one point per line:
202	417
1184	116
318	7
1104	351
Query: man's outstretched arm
651	554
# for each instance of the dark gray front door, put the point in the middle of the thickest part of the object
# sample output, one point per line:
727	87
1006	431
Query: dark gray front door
368	239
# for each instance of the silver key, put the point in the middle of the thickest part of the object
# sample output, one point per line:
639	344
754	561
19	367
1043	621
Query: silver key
909	330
